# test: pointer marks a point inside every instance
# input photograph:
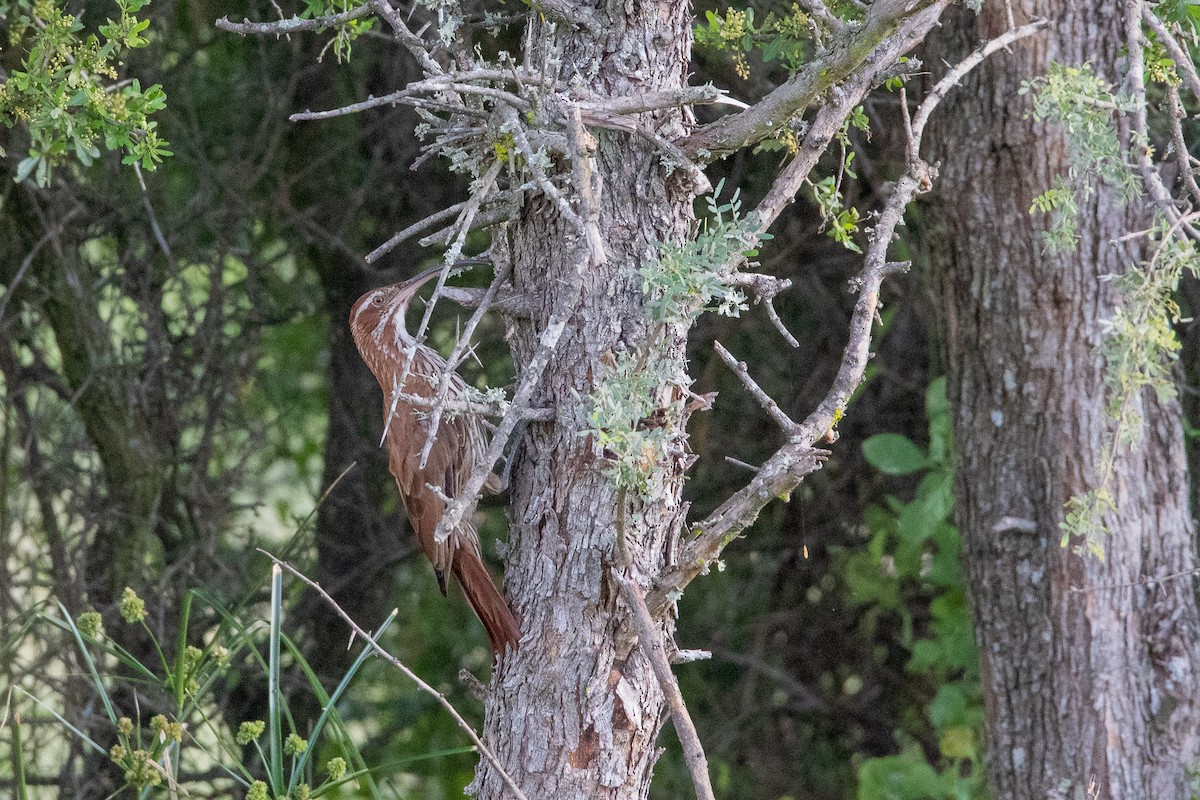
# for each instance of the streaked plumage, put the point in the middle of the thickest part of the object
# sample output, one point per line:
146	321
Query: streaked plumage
377	323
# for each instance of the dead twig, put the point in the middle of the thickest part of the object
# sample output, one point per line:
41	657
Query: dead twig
484	750
650	639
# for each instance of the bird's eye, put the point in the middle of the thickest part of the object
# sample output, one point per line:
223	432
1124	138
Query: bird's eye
377	300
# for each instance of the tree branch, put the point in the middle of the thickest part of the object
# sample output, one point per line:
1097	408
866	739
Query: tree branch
650	639
762	398
797	458
293	24
890	25
1187	69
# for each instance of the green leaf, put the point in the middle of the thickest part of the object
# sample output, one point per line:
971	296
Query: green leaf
903	777
894	454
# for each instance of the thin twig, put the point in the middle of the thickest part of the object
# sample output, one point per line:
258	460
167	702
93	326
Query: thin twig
484	750
959	71
650	638
49	236
773	315
821	11
530	377
461	346
293	24
154	226
1140	134
761	397
587	184
651	101
413	230
1177	116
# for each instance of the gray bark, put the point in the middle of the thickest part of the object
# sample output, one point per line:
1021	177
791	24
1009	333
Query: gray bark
1089	667
577	711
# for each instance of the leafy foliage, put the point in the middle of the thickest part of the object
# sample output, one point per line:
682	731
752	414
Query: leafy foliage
620	412
780	37
914	547
689	278
68	92
345	34
631	414
1083	104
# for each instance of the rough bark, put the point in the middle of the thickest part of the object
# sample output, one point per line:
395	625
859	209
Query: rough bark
1088	666
577	711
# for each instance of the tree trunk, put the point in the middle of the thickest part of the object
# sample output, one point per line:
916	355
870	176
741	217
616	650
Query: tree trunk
576	712
1089	666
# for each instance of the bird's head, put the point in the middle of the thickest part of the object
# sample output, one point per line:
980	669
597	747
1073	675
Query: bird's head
379	310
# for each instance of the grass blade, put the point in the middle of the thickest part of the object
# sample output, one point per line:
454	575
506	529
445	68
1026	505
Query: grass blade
91	665
274	695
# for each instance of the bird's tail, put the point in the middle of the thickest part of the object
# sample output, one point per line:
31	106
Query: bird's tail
489	605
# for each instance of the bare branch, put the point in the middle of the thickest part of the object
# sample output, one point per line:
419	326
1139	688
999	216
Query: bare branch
818	9
651	101
413	43
484	750
650	639
576	14
797	458
293	24
773	315
781	473
959	70
517	304
1178	114
486	218
1140	134
762	398
581	146
530	377
413	230
461	347
479	409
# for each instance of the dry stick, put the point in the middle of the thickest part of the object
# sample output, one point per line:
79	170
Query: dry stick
773	315
520	402
457	355
890	26
543	183
478	409
413	230
1150	175
155	228
486	218
818	9
959	71
786	468
411	41
48	237
651	641
1182	60
1181	150
293	24
468	213
408	673
768	404
411	95
652	101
